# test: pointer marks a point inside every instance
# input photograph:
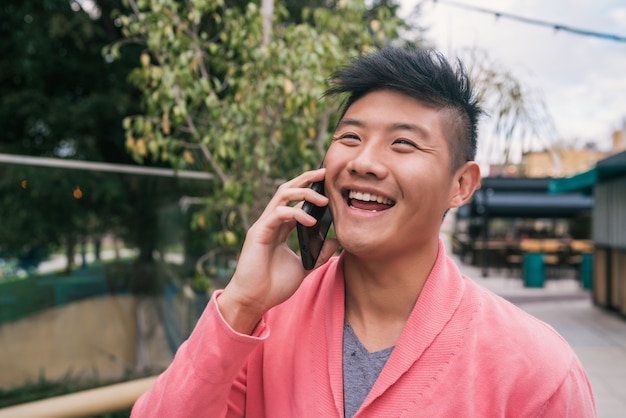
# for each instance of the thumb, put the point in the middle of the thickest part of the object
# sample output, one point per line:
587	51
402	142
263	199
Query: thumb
331	245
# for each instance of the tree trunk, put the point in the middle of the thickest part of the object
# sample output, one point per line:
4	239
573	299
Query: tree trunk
268	12
70	252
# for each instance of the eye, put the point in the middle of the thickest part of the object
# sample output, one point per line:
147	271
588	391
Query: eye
405	143
347	138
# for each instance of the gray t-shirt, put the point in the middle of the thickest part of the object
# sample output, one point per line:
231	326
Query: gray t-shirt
360	370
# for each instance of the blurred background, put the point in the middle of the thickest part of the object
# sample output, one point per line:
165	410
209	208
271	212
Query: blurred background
142	138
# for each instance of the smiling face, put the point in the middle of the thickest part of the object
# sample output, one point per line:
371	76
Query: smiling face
389	176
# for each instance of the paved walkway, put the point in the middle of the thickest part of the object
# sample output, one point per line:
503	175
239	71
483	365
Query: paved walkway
598	337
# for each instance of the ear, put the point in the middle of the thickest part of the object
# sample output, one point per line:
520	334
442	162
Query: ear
466	181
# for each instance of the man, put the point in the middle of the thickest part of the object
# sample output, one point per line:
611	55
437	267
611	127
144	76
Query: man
390	327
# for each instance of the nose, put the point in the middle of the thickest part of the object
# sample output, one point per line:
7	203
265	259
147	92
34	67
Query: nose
368	161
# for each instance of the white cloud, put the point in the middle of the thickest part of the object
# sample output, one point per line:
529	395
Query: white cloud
581	78
619	16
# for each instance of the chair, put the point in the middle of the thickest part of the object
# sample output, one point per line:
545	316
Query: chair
553	257
574	256
513	259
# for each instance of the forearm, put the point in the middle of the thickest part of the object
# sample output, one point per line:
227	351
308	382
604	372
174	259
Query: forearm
201	379
179	391
240	319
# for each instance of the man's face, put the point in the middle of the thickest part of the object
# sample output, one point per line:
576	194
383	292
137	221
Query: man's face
388	175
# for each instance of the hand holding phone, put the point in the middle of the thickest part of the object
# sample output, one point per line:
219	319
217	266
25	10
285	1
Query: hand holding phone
311	238
268	273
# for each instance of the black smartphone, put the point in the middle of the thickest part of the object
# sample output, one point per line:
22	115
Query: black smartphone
311	238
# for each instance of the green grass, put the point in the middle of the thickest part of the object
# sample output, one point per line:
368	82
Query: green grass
44	389
22	297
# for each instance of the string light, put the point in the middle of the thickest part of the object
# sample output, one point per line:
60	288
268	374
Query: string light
555	26
77	193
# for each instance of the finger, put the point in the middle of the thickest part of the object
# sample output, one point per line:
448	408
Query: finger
279	222
286	196
306	178
279	211
285	231
287	214
289	196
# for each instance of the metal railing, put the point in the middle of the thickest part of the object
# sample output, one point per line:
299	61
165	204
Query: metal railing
86	403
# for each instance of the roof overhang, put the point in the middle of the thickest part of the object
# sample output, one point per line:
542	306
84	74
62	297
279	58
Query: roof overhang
531	205
582	182
609	168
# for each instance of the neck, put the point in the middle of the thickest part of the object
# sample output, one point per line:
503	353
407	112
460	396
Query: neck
381	294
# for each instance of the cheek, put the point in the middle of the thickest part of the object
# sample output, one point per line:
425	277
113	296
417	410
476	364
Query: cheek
333	168
334	162
427	185
332	155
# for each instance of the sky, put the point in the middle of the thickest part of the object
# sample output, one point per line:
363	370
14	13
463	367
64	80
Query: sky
582	79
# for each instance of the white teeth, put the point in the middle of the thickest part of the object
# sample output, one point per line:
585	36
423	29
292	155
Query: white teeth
368	197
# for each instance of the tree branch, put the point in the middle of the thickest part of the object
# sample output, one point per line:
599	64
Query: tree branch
322	129
267	7
133	6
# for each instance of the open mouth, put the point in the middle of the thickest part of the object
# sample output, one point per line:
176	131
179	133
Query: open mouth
369	201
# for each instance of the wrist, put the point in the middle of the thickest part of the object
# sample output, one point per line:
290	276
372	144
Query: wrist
238	316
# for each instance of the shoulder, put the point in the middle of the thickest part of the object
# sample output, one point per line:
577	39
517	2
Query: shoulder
500	318
521	343
525	363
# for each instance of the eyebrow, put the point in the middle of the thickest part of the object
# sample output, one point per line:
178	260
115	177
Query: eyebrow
400	126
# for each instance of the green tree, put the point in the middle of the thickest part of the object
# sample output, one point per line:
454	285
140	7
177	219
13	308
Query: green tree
239	95
50	92
214	90
62	98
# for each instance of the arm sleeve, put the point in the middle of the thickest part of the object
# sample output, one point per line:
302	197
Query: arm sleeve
574	397
207	376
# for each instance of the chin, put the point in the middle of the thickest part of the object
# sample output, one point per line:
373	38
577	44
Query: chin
361	248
